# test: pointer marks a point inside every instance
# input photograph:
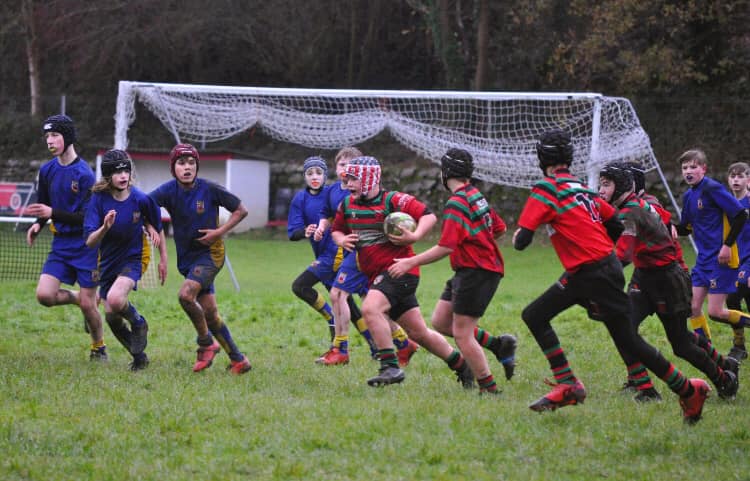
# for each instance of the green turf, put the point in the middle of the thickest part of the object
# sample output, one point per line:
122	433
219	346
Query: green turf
63	417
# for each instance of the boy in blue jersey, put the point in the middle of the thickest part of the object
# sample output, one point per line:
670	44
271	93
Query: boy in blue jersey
193	205
115	221
301	223
349	280
738	179
63	189
715	218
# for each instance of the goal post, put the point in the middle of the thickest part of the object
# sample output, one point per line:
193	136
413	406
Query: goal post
500	129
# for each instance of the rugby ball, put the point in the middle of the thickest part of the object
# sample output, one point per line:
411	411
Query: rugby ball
396	222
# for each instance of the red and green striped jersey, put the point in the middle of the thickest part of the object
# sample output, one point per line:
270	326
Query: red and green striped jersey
469	228
375	253
574	215
646	240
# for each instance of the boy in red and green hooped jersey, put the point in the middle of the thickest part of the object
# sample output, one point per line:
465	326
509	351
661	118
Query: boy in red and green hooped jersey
659	284
359	224
581	227
470	227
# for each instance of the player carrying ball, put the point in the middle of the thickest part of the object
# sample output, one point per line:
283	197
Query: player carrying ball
359	224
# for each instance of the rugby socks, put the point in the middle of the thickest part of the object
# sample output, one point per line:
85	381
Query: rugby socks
400	339
677	382
361	326
455	361
224	337
324	309
559	365
699	324
342	344
738	319
388	358
132	316
483	337
739	337
638	375
487	384
707	346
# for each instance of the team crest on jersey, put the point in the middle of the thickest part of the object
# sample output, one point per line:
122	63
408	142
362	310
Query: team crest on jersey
315	263
700	203
200	206
74	186
377	280
95	276
741	275
712	283
136	216
341	278
197	271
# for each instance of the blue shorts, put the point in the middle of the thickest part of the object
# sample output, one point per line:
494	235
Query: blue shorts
131	268
70	267
325	266
204	274
349	278
720	279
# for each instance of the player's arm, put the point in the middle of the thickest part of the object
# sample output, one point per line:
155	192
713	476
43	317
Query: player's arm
610	219
95	237
403	265
295	222
162	267
341	235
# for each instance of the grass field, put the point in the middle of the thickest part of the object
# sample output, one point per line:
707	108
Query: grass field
63	417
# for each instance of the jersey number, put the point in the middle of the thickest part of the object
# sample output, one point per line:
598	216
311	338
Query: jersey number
590	206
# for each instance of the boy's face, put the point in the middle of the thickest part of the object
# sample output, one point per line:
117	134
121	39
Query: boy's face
185	169
606	189
314	177
738	181
120	180
55	142
693	172
341	166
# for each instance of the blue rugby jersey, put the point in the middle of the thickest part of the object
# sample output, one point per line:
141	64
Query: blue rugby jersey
125	240
706	208
67	188
304	210
191	210
336	194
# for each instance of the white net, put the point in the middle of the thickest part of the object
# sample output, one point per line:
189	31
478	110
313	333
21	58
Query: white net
499	129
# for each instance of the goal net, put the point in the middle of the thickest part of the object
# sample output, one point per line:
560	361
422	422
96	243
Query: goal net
499	129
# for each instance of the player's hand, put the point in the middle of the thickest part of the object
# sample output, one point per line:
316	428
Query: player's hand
162	268
407	237
38	210
675	235
109	219
209	236
310	230
318	234
400	267
725	253
350	242
32	233
153	235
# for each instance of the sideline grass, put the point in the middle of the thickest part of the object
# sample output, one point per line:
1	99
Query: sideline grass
65	418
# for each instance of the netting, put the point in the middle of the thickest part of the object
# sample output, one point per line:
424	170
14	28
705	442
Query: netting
499	129
19	262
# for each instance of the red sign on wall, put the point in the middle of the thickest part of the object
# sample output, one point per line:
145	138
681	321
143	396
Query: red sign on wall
14	196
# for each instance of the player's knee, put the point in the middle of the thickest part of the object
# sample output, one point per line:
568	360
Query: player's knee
117	302
88	304
46	299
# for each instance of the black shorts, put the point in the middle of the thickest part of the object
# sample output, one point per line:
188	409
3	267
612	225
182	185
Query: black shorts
470	291
598	287
664	290
401	292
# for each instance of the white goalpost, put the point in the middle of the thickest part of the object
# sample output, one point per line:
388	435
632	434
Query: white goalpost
500	129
